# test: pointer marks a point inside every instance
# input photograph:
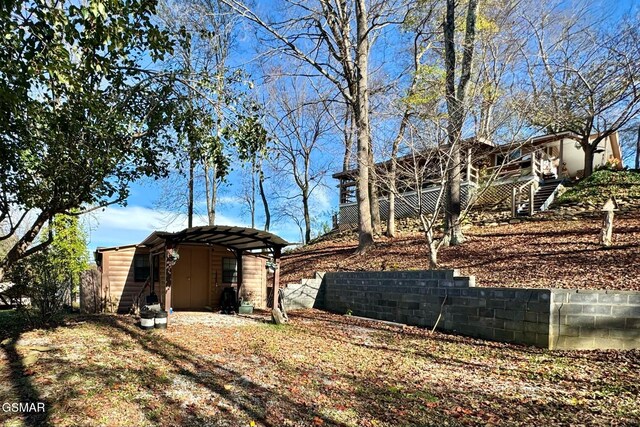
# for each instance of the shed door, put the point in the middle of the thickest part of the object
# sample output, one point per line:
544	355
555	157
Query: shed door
191	279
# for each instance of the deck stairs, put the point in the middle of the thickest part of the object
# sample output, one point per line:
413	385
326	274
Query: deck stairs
544	196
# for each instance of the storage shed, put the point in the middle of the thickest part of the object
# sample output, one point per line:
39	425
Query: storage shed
188	270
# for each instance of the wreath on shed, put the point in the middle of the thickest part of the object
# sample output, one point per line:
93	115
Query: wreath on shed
172	257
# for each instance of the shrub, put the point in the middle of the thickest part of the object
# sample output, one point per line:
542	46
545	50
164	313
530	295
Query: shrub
43	289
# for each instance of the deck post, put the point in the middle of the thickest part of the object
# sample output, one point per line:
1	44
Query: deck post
276	277
514	206
561	159
532	194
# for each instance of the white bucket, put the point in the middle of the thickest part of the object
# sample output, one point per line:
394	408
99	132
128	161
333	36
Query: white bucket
146	323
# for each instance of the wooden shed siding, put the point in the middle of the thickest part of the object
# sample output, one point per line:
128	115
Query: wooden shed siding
254	275
121	289
118	278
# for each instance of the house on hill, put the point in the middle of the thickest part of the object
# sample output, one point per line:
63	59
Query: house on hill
524	175
189	269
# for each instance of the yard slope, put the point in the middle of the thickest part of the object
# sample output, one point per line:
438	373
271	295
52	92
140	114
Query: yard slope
544	253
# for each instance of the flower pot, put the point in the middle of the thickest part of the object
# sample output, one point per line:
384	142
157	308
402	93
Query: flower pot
245	308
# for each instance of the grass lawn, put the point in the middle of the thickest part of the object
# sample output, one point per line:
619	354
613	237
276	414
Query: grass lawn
321	369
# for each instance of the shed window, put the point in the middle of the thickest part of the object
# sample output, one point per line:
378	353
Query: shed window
229	270
141	270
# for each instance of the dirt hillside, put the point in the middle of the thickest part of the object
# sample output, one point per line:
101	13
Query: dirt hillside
531	254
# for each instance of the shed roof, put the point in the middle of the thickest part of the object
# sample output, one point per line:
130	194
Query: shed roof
239	238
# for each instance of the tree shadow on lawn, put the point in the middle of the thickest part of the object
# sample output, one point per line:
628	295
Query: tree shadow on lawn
565	256
408	401
526	393
89	403
25	390
189	365
406	330
515	352
12	325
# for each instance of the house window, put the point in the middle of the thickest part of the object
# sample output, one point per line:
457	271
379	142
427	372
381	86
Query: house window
141	270
229	270
515	154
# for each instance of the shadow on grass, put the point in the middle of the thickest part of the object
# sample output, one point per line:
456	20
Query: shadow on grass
12	326
250	397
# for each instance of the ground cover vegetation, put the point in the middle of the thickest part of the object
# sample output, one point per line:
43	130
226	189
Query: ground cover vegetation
321	369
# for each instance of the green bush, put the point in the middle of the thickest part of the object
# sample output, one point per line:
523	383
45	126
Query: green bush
46	286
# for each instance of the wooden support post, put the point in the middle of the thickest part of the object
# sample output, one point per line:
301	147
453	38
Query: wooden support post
276	277
606	235
168	278
532	195
151	278
561	160
469	166
240	277
514	202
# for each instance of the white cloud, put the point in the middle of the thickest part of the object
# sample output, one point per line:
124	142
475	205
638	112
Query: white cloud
322	198
116	225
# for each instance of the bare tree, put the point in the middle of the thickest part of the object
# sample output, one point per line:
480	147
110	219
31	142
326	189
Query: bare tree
585	75
300	126
333	37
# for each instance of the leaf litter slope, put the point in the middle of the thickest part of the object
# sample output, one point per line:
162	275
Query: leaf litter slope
530	254
322	369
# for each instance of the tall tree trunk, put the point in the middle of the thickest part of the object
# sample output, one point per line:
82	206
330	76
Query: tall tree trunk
391	219
190	204
307	216
373	194
454	205
211	190
638	150
453	185
455	108
486	115
348	141
265	202
252	202
588	157
361	116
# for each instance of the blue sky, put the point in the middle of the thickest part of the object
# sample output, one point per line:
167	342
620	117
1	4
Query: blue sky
120	225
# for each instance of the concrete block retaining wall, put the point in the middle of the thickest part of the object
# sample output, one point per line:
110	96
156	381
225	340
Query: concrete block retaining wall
587	319
557	319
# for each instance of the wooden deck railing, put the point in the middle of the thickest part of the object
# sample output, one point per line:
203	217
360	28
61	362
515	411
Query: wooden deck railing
514	168
528	190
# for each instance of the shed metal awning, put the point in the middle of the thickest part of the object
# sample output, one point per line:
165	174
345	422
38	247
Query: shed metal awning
237	238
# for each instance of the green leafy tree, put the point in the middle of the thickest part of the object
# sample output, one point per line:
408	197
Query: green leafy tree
50	278
68	251
80	115
251	139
